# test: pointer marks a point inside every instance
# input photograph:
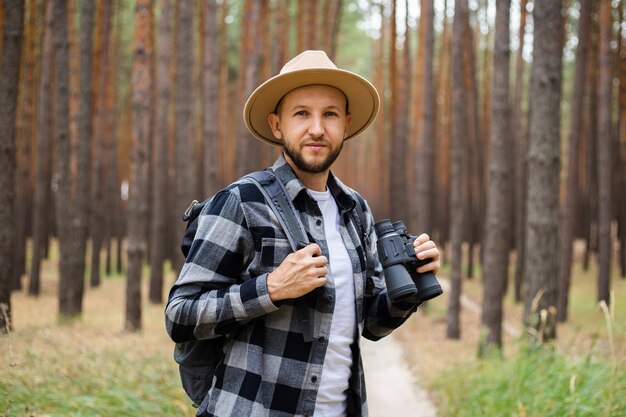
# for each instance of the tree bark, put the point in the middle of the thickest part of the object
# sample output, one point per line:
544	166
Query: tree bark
137	203
250	151
9	80
569	212
622	150
85	131
70	283
443	132
543	173
184	93
496	251
112	200
459	126
424	166
604	153
210	88
521	149
100	178
158	225
42	168
397	183
25	140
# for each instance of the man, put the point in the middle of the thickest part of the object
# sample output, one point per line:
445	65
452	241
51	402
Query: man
292	320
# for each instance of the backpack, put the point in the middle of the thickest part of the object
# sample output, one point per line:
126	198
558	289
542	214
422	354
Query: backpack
197	359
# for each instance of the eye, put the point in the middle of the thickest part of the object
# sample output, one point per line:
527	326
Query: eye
301	113
330	113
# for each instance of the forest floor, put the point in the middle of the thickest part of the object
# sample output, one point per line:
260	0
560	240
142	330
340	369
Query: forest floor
92	366
430	353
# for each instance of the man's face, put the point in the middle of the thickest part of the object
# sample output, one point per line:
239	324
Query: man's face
312	123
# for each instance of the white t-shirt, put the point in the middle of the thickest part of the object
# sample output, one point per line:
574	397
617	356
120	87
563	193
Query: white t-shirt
332	394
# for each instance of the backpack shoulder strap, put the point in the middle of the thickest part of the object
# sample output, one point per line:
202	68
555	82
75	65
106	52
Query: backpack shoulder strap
276	195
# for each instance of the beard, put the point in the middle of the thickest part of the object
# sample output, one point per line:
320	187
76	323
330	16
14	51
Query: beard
311	167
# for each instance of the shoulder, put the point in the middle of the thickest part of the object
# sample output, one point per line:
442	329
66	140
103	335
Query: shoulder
233	197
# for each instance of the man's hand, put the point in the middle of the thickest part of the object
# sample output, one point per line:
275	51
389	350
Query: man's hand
426	249
299	274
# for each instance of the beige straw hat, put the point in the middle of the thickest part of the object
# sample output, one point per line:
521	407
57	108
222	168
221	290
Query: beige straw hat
311	67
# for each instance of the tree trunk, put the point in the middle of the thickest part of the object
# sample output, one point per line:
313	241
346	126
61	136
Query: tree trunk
100	179
25	134
604	153
398	200
70	283
459	126
521	149
250	151
137	203
112	199
381	144
43	145
474	147
496	251
569	212
543	173
9	80
184	93
159	185
85	131
622	150
590	179
444	138
333	23
210	76
424	165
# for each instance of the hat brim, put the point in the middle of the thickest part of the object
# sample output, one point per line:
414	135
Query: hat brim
363	99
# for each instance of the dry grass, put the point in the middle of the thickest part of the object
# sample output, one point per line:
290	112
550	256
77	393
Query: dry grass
88	366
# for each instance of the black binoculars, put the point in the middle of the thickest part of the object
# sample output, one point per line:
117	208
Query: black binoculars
397	256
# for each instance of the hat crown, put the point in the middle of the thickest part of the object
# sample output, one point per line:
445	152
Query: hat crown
308	60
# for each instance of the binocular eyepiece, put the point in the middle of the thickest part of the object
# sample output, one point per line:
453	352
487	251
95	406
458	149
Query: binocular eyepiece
397	256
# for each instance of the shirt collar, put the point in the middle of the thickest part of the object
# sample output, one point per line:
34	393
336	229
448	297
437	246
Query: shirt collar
294	186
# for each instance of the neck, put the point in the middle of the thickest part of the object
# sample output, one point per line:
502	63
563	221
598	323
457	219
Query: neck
315	181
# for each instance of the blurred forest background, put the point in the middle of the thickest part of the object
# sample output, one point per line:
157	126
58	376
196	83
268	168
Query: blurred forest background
502	134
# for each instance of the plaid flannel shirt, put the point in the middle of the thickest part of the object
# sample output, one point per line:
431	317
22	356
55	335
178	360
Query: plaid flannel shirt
274	353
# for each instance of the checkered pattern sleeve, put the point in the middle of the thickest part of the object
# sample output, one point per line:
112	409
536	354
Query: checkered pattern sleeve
213	295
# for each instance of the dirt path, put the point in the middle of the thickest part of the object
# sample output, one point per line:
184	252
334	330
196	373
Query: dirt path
392	389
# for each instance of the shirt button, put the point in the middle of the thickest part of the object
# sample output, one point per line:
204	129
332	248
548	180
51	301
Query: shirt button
314	379
318	222
321	339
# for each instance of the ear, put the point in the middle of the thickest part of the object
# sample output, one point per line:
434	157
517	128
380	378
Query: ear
348	123
274	121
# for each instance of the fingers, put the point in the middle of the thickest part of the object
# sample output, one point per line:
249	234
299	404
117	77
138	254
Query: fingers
300	273
431	266
421	239
427	249
313	250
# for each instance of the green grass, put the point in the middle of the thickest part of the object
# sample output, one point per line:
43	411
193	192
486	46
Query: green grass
582	374
56	380
62	373
537	382
88	366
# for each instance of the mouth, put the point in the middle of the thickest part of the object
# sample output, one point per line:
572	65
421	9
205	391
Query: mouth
315	145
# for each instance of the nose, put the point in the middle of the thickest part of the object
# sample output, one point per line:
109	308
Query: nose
316	127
